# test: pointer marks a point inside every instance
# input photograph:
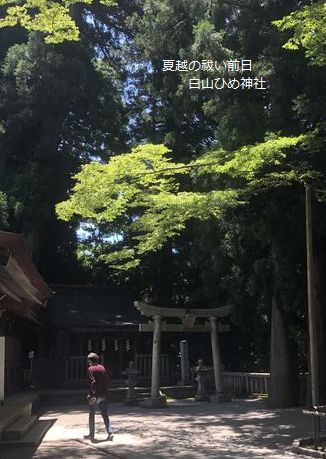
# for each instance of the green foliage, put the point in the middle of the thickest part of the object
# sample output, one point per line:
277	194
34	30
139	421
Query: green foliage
216	216
50	17
248	161
141	193
59	107
3	210
309	31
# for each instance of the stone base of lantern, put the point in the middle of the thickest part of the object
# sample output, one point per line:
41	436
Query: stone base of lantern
154	402
220	397
131	401
202	398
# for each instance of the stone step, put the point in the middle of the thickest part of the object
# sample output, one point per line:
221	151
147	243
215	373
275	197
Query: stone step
117	383
33	437
70	397
10	414
19	428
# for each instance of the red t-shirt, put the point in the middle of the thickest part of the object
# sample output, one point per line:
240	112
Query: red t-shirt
98	381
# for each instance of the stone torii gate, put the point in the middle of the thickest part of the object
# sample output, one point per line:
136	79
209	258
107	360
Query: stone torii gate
188	318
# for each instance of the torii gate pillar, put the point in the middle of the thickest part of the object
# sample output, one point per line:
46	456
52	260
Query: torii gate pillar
216	357
156	360
188	317
156	400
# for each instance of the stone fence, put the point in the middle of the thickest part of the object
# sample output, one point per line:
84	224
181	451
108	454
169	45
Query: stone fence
238	382
246	383
243	383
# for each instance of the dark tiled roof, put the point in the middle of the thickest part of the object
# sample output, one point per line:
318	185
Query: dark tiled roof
80	306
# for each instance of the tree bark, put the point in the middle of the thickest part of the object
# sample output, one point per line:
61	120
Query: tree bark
163	282
284	380
32	242
320	300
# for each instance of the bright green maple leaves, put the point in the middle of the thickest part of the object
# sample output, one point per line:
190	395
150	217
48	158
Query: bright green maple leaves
138	192
309	27
50	17
144	193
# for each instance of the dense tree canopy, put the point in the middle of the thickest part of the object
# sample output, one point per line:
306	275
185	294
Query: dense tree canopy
207	206
308	25
50	17
139	193
60	105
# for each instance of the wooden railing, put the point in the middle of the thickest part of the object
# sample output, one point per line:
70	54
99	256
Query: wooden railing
246	383
234	382
76	369
144	365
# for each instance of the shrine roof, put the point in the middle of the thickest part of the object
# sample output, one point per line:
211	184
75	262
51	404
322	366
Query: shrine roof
22	288
78	306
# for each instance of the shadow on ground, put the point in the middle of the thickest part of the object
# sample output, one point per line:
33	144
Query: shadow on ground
241	429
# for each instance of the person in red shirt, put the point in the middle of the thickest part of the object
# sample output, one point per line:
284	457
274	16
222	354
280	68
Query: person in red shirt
98	383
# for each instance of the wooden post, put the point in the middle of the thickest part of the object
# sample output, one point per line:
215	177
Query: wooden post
2	368
120	355
216	356
312	314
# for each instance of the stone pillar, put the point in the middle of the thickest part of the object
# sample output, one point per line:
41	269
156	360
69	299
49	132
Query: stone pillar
185	368
156	357
132	373
216	356
156	399
201	379
2	369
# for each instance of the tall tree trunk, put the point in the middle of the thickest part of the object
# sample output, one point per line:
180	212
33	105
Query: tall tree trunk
32	242
284	381
320	300
163	283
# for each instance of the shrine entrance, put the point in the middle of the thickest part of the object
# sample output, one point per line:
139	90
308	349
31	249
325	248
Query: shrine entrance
188	318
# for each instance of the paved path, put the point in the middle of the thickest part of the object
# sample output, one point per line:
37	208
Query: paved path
240	429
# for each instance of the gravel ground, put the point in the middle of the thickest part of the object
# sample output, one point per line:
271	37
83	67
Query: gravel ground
240	429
